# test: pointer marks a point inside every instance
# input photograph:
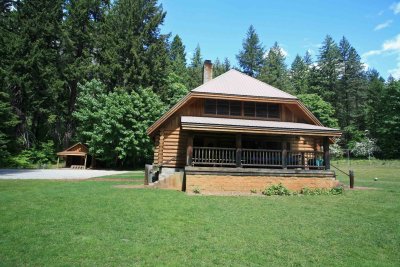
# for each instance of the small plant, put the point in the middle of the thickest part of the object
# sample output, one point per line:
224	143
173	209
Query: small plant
196	190
253	191
314	191
278	190
321	191
337	190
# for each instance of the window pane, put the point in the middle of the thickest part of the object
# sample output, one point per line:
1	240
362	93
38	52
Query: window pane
223	107
273	111
235	108
261	110
210	106
249	109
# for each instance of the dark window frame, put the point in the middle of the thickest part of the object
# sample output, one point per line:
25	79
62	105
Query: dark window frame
249	109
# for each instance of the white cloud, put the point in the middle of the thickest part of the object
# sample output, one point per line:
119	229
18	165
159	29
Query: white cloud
383	25
391	46
388	46
396	8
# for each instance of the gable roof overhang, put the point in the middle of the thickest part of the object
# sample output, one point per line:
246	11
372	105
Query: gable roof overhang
196	95
234	85
255	126
70	152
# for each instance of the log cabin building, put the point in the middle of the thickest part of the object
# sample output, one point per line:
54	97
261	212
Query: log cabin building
236	133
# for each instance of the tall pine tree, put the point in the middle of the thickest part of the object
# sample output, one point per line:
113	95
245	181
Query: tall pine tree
251	57
81	26
327	73
196	69
131	51
32	67
274	71
299	72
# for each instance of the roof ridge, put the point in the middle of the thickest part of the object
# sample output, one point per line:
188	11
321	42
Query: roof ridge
235	82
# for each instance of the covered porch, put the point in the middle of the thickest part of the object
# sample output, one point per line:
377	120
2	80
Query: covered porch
242	143
243	150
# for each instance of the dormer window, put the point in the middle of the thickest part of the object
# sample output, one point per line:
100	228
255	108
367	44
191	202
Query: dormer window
238	108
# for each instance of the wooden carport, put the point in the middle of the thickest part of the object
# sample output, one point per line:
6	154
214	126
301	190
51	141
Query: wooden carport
71	154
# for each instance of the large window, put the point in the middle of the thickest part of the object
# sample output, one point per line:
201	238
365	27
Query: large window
261	110
223	107
234	108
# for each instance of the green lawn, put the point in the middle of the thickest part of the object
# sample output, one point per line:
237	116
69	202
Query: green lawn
132	175
92	223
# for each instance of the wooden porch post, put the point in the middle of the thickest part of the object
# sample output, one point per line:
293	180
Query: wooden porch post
238	150
189	149
84	164
58	161
326	153
284	155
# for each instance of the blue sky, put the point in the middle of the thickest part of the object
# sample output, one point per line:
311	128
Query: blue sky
219	27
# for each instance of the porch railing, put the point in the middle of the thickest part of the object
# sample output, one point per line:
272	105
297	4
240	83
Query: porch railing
217	156
214	156
261	157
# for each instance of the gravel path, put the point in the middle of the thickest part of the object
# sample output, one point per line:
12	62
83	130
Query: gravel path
54	174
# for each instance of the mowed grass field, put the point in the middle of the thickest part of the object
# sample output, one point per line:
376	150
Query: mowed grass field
92	223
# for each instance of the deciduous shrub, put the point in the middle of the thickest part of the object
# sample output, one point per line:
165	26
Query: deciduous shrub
278	190
321	191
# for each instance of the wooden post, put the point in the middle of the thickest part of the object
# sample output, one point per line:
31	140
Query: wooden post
326	153
351	176
238	150
303	161
189	150
58	161
84	164
284	155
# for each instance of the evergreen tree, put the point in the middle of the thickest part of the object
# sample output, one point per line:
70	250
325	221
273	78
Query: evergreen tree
251	57
220	67
8	121
375	87
227	64
178	57
388	111
196	69
299	72
32	66
308	59
325	84
351	94
131	50
274	71
81	26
